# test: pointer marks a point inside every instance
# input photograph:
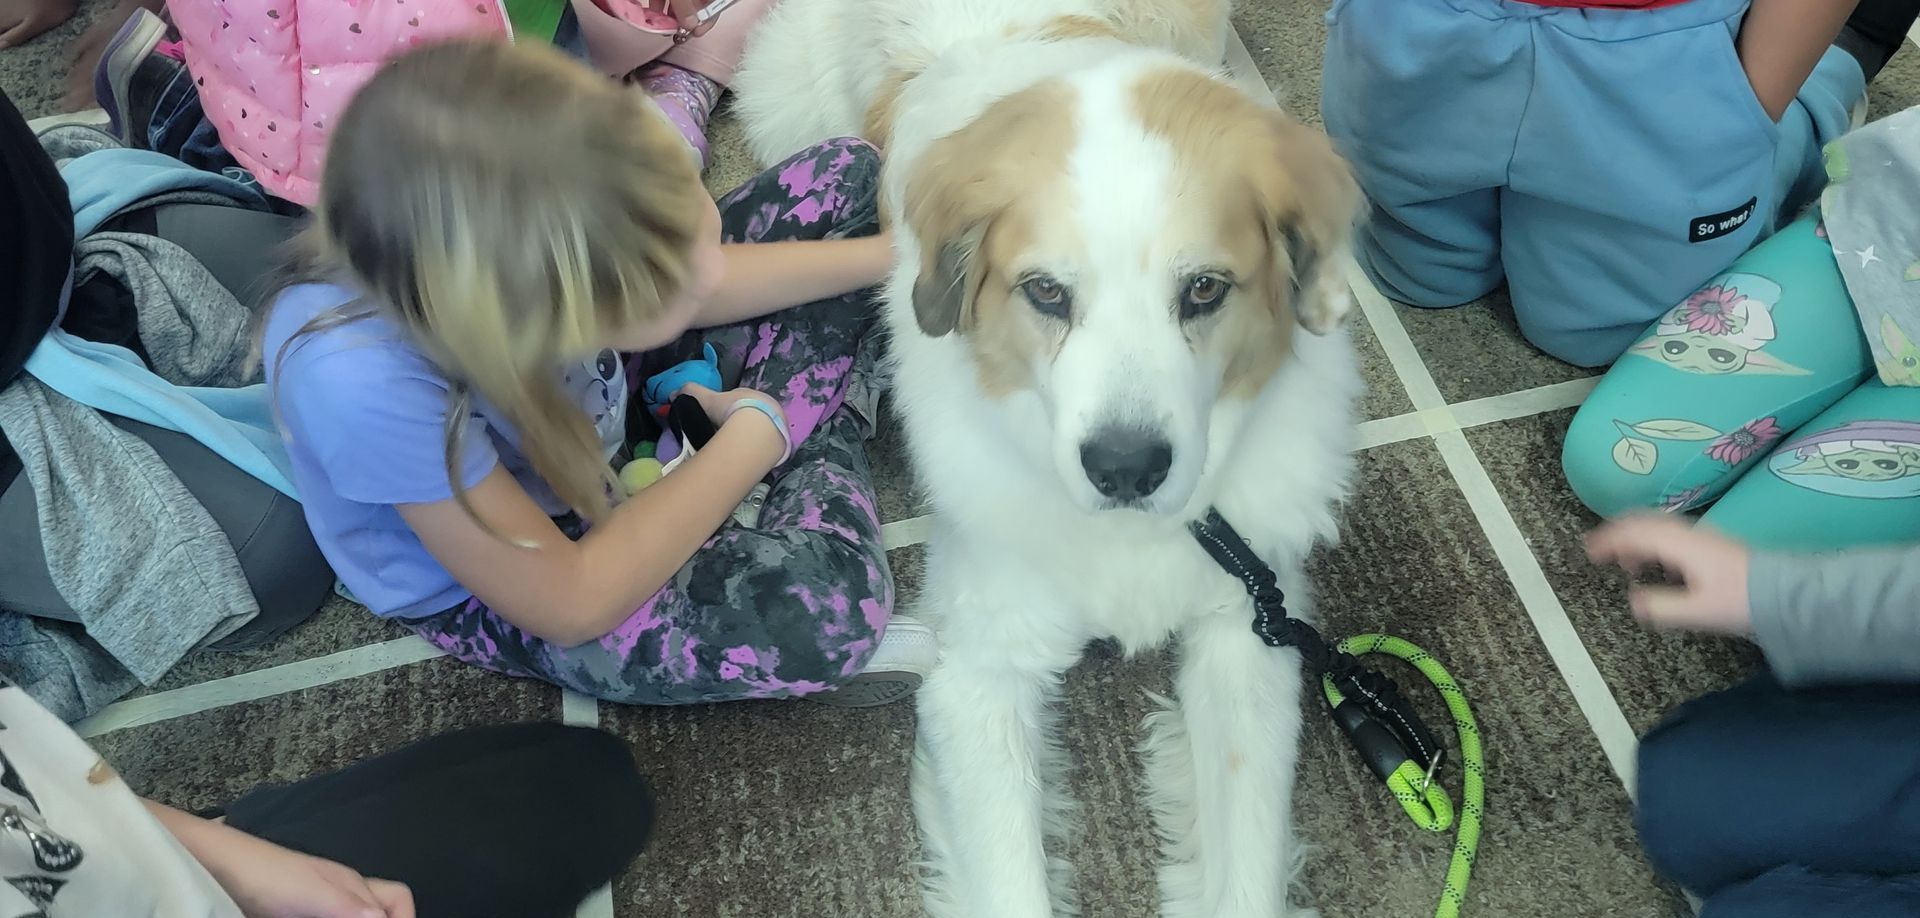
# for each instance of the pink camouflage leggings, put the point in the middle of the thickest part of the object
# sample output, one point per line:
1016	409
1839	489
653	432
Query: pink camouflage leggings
796	604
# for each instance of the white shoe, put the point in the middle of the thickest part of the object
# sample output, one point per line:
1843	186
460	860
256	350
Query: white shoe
748	513
908	650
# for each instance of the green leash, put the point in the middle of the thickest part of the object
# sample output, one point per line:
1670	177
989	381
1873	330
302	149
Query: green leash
1424	799
1369	709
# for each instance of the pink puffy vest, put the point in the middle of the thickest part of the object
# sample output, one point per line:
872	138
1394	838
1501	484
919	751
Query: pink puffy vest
273	74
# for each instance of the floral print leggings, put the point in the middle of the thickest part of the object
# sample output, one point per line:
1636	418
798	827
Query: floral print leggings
1757	394
796	604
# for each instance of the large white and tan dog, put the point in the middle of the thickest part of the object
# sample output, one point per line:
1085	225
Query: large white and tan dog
1108	254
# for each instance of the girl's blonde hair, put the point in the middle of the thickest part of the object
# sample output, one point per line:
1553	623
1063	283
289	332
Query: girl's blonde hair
511	210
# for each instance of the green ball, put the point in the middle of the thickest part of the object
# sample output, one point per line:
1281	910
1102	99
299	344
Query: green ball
639	473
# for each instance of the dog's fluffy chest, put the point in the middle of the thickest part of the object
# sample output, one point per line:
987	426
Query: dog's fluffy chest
1128	577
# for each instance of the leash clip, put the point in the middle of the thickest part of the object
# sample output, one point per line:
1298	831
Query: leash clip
1426	780
1382	725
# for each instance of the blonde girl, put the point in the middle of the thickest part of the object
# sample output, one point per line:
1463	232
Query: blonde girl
498	233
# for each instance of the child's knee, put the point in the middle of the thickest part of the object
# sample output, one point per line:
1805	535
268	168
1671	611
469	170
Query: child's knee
857	161
1571	327
1676	774
1430	253
1584	347
1410	267
830	620
1607	477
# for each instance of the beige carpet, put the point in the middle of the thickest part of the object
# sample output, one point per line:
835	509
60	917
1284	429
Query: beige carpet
1464	541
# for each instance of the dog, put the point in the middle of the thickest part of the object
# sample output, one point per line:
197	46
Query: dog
1117	303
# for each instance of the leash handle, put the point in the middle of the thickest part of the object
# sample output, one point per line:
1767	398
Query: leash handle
1424	801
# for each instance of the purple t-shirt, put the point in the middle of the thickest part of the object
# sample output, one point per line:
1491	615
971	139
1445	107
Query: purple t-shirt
364	414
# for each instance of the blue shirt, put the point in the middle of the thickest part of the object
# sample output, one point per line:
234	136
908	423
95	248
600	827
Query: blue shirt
364	414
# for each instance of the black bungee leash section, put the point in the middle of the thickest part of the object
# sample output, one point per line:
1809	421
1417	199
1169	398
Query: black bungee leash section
1376	718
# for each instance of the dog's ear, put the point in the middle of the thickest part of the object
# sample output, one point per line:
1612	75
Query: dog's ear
951	195
1309	204
944	291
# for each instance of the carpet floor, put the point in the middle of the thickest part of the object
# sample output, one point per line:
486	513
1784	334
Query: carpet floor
1461	536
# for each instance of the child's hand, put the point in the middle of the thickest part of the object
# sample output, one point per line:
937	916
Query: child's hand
686	11
268	881
722	406
1712	569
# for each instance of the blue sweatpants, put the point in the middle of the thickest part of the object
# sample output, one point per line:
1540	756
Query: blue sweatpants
1603	162
1775	803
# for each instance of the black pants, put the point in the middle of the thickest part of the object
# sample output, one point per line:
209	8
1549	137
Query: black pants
520	821
1770	803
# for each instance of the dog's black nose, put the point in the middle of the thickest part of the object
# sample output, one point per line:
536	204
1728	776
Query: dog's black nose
1126	464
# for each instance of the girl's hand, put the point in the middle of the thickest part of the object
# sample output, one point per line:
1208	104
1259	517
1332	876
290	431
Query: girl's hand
1711	595
268	881
273	882
684	12
721	406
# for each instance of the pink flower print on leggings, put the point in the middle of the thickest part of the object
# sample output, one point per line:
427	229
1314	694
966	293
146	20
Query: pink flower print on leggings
1745	442
1711	310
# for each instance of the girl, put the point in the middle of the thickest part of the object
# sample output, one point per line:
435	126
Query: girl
496	225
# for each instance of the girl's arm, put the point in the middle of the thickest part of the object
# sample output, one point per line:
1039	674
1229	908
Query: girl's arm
568	592
1781	41
765	277
1852	616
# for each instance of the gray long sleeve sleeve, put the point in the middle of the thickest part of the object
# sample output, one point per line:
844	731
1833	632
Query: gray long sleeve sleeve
1847	617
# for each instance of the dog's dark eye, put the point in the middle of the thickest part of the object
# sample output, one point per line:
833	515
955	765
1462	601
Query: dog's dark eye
1720	355
1676	348
1204	294
1886	465
1048	296
1848	465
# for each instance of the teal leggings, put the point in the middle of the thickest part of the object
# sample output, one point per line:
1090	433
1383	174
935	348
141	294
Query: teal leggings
1757	394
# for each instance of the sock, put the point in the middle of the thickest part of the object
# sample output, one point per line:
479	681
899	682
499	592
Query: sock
687	98
1875	30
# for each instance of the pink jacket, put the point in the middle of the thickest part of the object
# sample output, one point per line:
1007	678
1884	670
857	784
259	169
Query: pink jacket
273	74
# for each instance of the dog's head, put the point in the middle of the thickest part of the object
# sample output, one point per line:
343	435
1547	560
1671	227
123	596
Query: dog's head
1135	252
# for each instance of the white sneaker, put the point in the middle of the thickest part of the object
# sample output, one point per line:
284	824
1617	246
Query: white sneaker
748	513
908	650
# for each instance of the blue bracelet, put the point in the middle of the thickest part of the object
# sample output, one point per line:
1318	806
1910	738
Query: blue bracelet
773	414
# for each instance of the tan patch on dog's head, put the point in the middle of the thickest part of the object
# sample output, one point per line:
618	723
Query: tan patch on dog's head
1272	196
977	201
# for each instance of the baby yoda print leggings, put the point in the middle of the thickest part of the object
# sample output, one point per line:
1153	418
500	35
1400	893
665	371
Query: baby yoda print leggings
1757	394
793	605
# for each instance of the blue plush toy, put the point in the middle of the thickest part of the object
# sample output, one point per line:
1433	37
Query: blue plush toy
658	391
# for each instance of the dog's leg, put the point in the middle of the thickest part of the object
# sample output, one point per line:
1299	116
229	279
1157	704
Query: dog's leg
981	775
983	758
1222	768
943	881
